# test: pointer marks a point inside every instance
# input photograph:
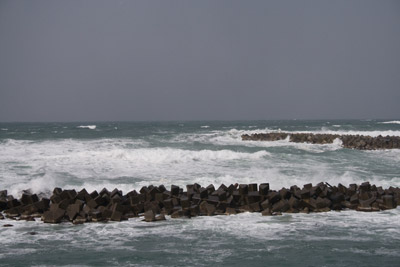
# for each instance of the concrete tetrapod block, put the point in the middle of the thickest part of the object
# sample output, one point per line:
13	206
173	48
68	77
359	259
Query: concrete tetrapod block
54	216
73	211
264	189
149	216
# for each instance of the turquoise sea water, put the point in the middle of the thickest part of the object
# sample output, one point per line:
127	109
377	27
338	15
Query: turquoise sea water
128	155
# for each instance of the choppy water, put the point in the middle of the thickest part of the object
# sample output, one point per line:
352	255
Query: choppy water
40	156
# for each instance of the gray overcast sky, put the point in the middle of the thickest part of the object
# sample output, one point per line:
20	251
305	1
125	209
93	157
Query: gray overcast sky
192	60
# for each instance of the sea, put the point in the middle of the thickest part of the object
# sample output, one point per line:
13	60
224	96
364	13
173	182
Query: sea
129	155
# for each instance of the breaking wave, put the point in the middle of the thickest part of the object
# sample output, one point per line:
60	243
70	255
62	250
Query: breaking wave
91	127
390	122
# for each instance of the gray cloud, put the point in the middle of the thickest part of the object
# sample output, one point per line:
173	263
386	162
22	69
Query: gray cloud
183	60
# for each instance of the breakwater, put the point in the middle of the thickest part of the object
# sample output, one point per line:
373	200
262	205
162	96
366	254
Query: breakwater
154	202
362	142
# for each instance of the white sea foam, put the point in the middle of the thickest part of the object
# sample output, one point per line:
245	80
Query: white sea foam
205	126
233	137
91	127
351	132
390	122
76	162
4	129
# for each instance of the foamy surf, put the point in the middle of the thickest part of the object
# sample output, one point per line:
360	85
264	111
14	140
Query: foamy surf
390	122
91	127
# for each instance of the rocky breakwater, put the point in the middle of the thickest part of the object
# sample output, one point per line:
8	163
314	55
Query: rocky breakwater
362	142
154	202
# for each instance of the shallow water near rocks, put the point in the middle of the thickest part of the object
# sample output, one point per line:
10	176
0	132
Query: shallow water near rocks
129	155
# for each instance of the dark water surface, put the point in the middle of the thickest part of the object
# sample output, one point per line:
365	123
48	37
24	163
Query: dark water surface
128	155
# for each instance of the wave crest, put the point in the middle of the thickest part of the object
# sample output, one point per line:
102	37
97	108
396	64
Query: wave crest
91	127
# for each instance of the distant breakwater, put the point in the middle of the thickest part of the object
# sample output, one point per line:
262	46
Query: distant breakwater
362	142
154	202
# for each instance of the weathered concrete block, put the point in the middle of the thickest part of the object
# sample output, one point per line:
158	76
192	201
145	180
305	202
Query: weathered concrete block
116	192
117	207
149	216
3	193
177	214
266	204
236	196
293	202
264	189
107	213
342	189
79	220
363	195
243	189
206	208
253	196
354	199
101	200
221	206
175	201
203	193
159	197
366	187
221	195
153	206
73	211
284	193
266	212
12	212
255	207
244	208
97	215
27	199
94	194
308	203
92	204
213	200
231	188
307	186
305	193
322	203
174	190
82	195
64	203
367	203
253	187
190	190
3	204
144	190
162	188
210	189
194	210
12	203
337	197
29	209
185	203
57	191
116	198
273	197
53	216
55	199
230	211
388	202
116	216
282	206
68	194
349	205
